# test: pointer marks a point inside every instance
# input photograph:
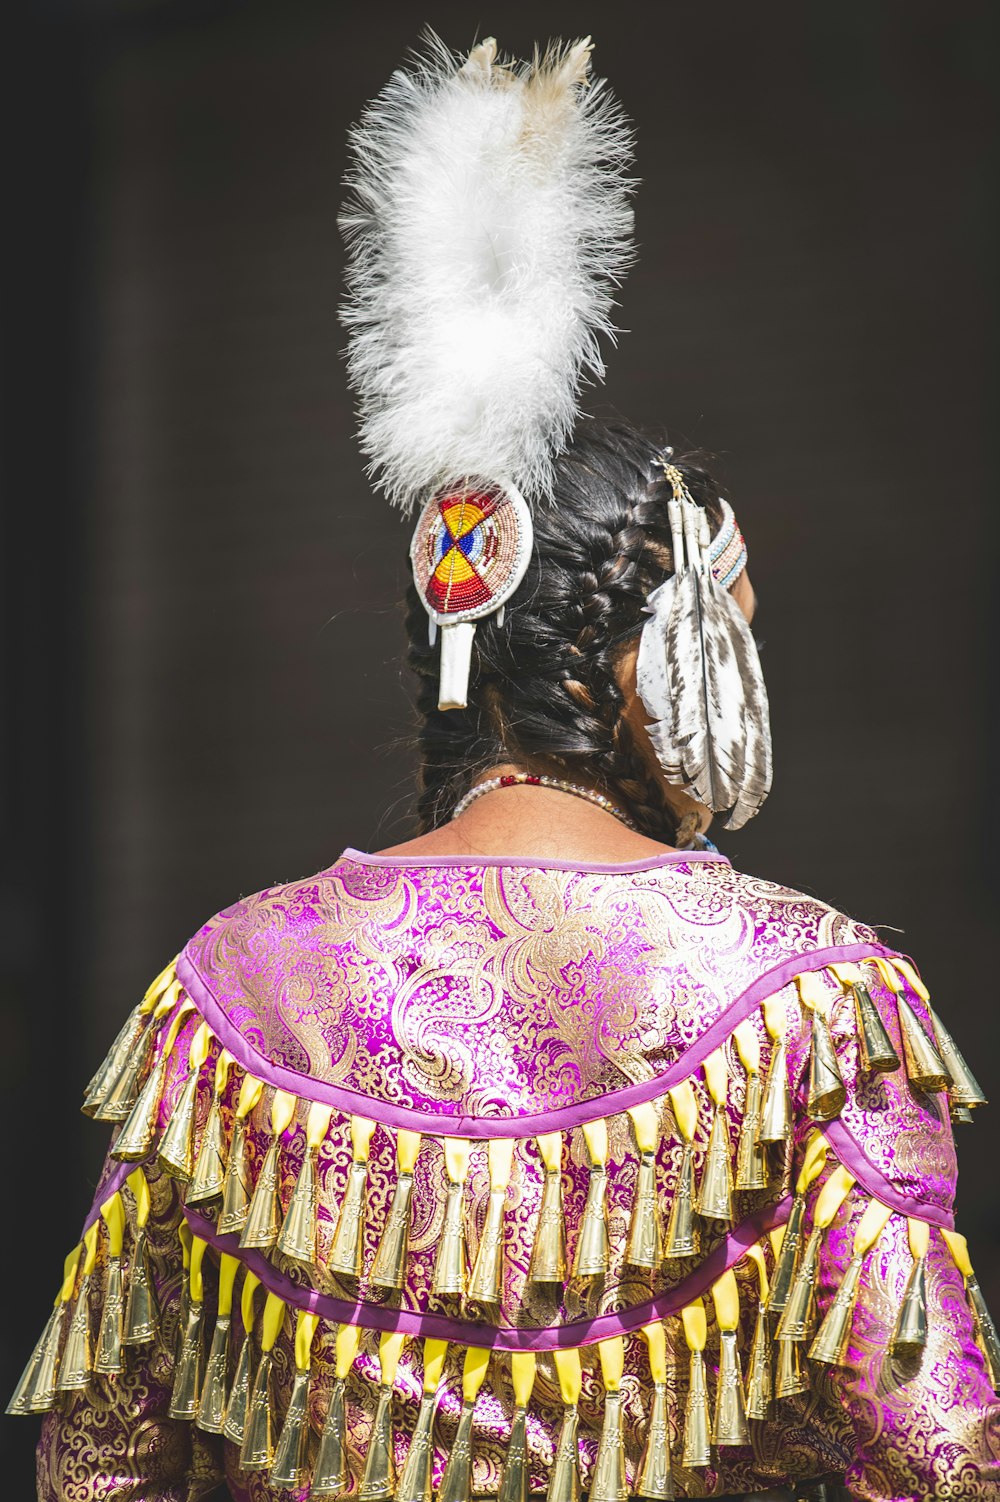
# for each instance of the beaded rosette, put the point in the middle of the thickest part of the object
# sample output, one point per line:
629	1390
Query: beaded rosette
469	553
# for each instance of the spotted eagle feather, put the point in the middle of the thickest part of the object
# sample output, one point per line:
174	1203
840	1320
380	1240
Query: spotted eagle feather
698	675
488	225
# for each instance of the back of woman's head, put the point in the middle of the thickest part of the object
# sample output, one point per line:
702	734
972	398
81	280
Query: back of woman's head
544	690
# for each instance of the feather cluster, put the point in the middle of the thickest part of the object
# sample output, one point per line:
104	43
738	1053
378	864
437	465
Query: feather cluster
698	675
488	226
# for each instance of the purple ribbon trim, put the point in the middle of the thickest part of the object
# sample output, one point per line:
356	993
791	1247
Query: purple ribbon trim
851	1155
111	1186
524	862
503	1337
562	1118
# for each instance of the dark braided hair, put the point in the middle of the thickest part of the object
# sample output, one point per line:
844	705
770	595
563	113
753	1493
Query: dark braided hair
544	688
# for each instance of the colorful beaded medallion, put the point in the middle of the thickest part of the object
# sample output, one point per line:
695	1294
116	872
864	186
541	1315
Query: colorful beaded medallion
470	550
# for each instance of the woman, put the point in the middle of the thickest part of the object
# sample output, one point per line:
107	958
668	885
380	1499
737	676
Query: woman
544	1151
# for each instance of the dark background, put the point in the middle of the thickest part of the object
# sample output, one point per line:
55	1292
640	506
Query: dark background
201	682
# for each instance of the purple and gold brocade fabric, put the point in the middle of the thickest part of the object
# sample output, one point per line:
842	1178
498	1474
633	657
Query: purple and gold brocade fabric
505	999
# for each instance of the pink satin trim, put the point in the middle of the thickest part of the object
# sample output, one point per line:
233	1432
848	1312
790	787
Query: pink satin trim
850	1153
524	862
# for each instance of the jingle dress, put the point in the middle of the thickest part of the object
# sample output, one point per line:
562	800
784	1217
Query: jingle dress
495	1177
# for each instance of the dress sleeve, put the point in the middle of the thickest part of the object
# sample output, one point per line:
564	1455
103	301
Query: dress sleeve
900	1342
103	1371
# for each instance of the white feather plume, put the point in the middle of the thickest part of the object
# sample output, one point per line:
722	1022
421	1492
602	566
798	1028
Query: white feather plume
488	226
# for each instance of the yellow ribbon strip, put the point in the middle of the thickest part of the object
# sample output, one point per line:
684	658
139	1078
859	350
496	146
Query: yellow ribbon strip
685	1106
595	1135
756	1255
645	1119
569	1370
139	1185
477	1360
918	1234
717	1076
959	1248
196	1283
656	1340
362	1131
813	1163
283	1108
167	1001
775	1011
185	1236
456	1158
407	1148
847	973
305	1329
228	1268
70	1268
223	1064
550	1150
813	991
201	1045
522	1371
156	988
181	1017
113	1214
90	1249
832	1195
251	1091
348	1340
870	1227
435	1352
695	1323
726	1298
390	1348
908	973
274	1318
748	1046
317	1124
251	1283
888	975
612	1354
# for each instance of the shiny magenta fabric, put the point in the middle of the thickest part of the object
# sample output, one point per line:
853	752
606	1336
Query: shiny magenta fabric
514	998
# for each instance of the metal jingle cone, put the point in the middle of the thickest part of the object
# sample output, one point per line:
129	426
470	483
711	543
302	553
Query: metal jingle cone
564	1477
113	1063
257	1449
297	1238
965	1090
379	1479
486	1278
607	1481
77	1358
759	1380
776	1112
654	1479
189	1369
751	1154
790	1380
910	1332
799	1314
590	1259
784	1268
109	1359
121	1093
263	1220
139	1132
416	1477
176	1151
924	1065
450	1262
831	1339
140	1309
235	1189
347	1247
456	1483
960	1115
291	1453
548	1254
985	1329
330	1473
644	1245
683	1238
729	1426
30	1389
715	1194
389	1267
209	1174
697	1451
874	1044
211	1413
827	1093
515	1478
234	1427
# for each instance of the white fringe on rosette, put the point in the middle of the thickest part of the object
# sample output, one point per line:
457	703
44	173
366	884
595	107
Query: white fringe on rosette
488	226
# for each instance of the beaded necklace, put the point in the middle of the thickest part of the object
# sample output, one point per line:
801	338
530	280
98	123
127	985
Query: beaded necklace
529	779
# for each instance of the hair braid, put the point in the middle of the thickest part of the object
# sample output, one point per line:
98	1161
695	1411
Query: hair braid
545	687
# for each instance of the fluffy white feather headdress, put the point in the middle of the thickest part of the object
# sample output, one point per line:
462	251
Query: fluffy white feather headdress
488	225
